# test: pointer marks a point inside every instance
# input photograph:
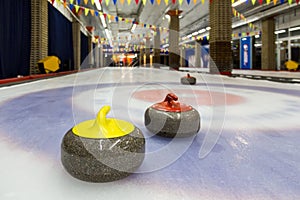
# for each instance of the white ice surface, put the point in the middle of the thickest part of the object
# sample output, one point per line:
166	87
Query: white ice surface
256	155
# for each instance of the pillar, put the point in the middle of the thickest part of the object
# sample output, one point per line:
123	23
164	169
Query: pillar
141	58
101	56
197	54
182	56
76	43
39	34
174	57
147	49
90	49
156	48
97	55
268	45
220	14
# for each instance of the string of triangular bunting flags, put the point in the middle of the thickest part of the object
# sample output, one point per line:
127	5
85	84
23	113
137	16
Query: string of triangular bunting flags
242	17
180	2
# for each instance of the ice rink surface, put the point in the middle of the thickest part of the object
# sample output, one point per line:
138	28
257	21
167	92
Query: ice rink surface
248	146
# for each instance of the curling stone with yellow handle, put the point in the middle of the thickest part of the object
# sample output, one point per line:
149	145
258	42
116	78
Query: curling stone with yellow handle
103	149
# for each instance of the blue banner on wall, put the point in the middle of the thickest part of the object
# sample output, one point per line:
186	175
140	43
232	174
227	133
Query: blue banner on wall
246	53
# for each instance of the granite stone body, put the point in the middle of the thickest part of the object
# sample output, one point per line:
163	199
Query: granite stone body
188	80
172	124
102	159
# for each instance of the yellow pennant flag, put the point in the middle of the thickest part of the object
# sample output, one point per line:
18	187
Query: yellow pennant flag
253	2
71	1
290	1
86	1
158	2
92	12
76	8
144	2
86	11
128	2
275	1
58	2
167	2
232	1
180	2
203	1
93	2
107	2
195	1
268	2
122	1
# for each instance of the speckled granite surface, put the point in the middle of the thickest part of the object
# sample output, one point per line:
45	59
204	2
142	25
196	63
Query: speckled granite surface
188	80
104	159
172	124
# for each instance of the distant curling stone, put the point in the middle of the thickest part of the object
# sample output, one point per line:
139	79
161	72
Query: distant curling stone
102	150
188	80
172	119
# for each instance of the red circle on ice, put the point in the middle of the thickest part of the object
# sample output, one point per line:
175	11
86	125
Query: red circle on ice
203	97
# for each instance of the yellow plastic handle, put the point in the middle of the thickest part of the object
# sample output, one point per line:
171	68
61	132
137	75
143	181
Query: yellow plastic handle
103	127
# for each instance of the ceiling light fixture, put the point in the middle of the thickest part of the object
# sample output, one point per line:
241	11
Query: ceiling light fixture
167	17
103	21
294	28
98	5
235	4
133	28
280	31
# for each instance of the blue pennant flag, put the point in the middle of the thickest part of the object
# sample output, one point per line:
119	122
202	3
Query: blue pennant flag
152	2
188	1
71	6
115	1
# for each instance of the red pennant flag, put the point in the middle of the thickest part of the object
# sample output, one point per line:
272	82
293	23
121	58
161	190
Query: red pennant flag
100	1
136	1
260	2
173	1
104	14
297	1
52	1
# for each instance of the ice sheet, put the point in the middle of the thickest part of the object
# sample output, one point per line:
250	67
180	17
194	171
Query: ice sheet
251	147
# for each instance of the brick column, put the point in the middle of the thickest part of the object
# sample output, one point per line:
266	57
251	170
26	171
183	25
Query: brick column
220	14
182	56
101	56
90	49
268	56
197	54
174	57
97	55
147	49
156	49
141	58
76	43
39	34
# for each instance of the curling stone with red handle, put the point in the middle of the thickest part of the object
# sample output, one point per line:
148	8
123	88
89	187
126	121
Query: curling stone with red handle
188	80
102	150
172	119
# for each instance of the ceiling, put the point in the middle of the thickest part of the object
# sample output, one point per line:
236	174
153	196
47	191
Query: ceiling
193	18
